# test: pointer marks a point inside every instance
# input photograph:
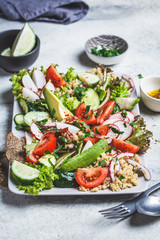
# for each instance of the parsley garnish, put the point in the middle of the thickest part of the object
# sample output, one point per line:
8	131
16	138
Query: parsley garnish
122	177
42	122
87	108
96	130
112	148
140	76
124	113
102	162
115	130
103	52
47	152
132	123
124	124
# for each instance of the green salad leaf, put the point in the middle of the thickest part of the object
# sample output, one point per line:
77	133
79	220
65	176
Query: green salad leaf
140	136
16	80
44	181
71	74
119	91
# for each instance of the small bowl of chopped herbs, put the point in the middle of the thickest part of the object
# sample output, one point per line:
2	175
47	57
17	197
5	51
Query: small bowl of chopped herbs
106	49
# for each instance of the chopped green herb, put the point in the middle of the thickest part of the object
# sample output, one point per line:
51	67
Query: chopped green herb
87	108
102	162
124	113
140	76
110	149
131	123
88	117
115	130
63	139
57	149
47	152
121	177
103	52
42	122
97	131
125	125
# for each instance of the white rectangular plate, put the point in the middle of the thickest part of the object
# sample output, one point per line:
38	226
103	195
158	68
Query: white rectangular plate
142	183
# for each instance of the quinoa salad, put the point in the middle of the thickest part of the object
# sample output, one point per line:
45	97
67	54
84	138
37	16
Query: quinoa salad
80	131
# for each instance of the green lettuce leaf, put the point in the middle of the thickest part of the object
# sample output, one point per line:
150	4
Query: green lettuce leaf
140	136
44	181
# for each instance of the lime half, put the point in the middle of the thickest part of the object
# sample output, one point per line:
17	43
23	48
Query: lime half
6	52
24	42
23	173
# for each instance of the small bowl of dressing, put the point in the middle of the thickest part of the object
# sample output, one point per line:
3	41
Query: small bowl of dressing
150	92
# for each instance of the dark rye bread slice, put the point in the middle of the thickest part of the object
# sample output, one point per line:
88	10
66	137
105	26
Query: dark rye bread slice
15	150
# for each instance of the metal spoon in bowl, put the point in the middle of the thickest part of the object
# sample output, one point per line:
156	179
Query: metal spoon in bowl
149	205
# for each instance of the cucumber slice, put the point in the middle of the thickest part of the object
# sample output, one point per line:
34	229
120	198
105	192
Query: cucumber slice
91	98
35	116
19	119
89	79
23	104
6	52
127	103
30	147
48	160
23	173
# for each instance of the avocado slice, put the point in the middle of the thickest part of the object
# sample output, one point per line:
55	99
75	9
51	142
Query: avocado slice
86	157
57	109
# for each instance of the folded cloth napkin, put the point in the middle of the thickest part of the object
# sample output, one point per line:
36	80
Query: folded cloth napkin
56	11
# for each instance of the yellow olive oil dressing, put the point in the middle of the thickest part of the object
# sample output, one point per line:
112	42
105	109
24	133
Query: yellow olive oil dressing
154	93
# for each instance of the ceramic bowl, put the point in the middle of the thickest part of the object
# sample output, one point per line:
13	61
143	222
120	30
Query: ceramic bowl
109	42
148	84
14	64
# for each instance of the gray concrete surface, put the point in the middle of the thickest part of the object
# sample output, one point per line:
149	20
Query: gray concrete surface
65	218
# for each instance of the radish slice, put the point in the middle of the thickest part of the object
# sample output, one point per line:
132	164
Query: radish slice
118	116
87	145
39	79
111	134
28	137
127	154
42	96
124	127
145	171
61	125
35	131
117	167
28	83
50	86
111	170
31	96
130	115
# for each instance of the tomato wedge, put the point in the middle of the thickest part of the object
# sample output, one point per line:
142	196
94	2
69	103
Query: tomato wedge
124	146
47	142
32	158
91	177
88	117
105	111
55	77
101	130
92	139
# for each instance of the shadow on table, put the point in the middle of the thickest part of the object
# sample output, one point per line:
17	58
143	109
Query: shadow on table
85	61
4	73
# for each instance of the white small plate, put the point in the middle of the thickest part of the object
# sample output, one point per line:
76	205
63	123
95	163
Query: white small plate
109	42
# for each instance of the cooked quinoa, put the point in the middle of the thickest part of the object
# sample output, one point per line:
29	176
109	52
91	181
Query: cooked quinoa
127	177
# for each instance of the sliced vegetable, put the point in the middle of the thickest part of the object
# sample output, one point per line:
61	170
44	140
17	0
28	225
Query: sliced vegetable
36	131
47	142
105	112
91	177
55	77
23	173
105	100
35	116
89	79
63	159
47	160
111	170
31	157
125	129
124	146
39	79
92	139
19	119
117	166
101	130
29	95
85	158
87	145
113	131
121	155
86	116
28	137
91	99
127	103
145	171
23	104
28	83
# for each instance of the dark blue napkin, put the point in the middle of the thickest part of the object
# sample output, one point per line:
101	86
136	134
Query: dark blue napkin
56	11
